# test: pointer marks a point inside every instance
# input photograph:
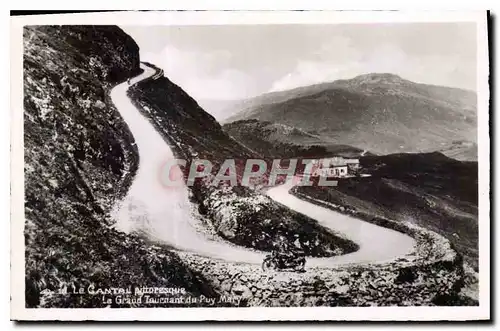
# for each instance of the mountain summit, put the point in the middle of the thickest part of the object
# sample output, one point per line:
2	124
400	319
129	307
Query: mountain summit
379	112
379	78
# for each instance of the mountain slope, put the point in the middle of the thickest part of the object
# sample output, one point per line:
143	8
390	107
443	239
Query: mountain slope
236	213
79	160
275	140
429	189
382	113
461	150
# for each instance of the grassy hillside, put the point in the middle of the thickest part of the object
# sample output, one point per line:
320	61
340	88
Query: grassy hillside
275	140
431	190
238	214
79	159
382	113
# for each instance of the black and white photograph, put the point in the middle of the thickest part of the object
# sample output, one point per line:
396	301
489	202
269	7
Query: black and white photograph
182	165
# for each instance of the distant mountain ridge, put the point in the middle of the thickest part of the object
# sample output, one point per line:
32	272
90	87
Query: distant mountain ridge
220	109
461	150
279	140
383	113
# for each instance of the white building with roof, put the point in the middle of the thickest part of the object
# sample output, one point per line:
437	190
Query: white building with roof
335	167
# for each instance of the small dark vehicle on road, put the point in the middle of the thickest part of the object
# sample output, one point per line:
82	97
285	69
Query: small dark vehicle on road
284	262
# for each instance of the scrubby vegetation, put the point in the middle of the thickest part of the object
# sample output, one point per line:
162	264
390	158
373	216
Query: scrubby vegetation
79	159
382	113
429	190
275	140
238	214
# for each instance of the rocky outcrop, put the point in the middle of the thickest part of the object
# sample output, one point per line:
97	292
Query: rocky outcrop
384	285
254	219
428	189
80	158
431	275
238	214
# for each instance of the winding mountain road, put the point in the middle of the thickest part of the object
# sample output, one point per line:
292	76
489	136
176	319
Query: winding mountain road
376	243
167	215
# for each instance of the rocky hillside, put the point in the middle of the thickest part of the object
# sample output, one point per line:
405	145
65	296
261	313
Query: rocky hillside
79	159
431	190
382	113
238	214
276	140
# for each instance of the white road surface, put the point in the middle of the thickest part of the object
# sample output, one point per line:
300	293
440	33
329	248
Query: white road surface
166	214
376	243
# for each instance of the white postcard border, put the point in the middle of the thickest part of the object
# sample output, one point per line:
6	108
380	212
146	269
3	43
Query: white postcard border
18	310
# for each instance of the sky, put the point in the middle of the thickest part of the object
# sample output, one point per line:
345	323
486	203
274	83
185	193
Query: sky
230	62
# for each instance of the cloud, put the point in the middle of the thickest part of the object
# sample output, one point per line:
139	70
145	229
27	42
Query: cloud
240	61
201	74
306	73
332	60
337	59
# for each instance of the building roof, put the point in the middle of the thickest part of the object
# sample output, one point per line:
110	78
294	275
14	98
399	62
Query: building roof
339	161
